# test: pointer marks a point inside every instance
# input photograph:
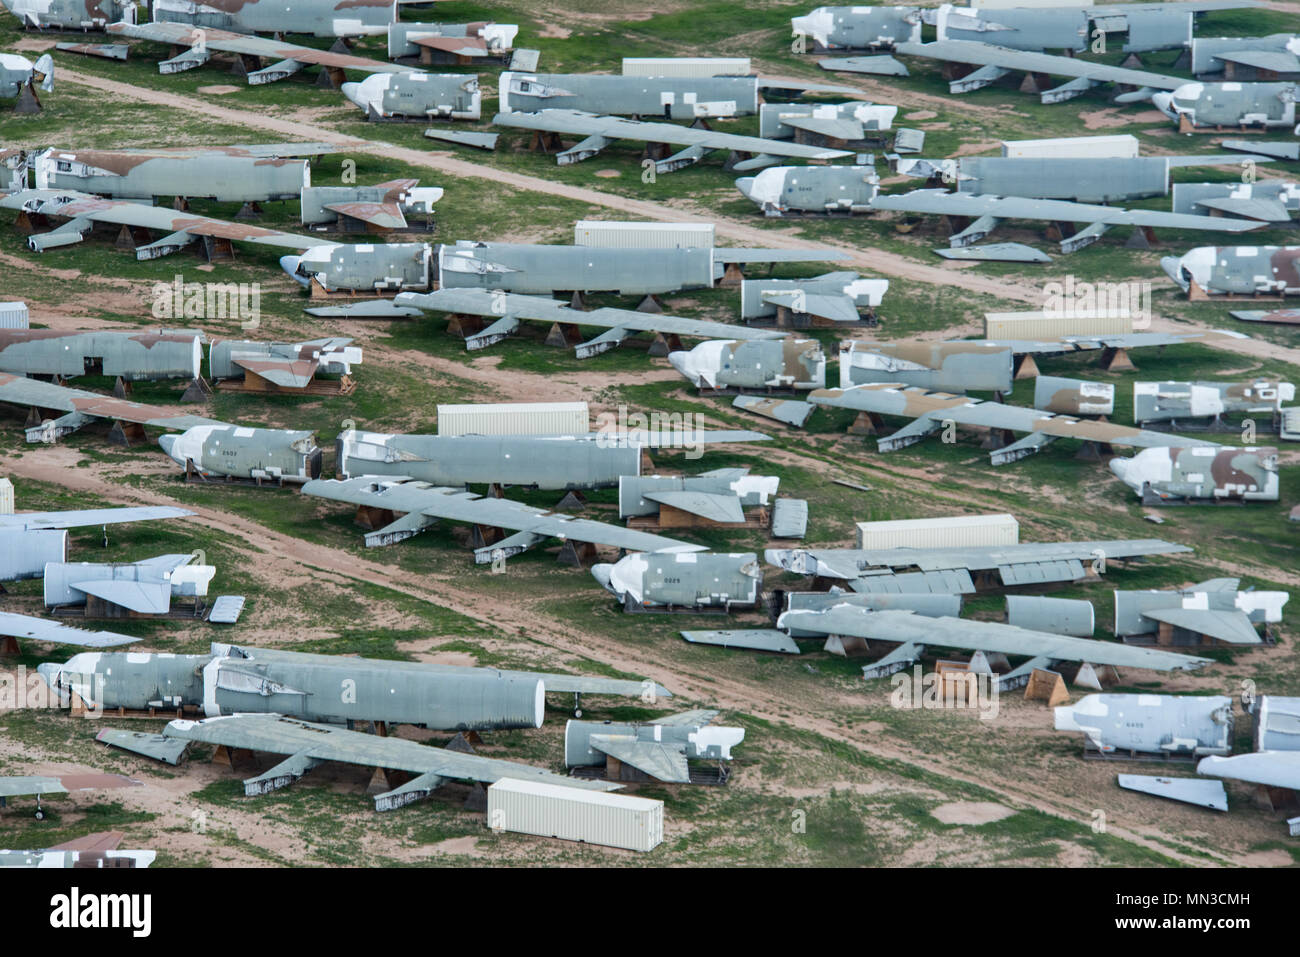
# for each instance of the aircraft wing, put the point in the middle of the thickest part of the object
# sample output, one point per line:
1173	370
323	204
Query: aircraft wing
379	215
147	598
1278	769
507	307
286	373
182	34
1225	624
309	744
79	518
24	785
121	212
615	128
655	759
930	410
987	54
1130	340
939	202
40	629
19	390
908	628
458	505
716	508
1278	61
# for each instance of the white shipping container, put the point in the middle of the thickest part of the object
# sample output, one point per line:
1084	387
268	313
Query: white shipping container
1042	325
14	315
515	418
6	497
685	66
957	531
1123	145
608	234
573	814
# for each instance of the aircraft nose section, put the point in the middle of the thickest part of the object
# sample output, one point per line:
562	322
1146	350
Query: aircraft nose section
290	265
681	361
1173	267
602	574
1120	468
168	442
50	673
1164	103
746	186
353	92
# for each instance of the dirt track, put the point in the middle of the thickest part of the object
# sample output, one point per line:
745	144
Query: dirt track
281	554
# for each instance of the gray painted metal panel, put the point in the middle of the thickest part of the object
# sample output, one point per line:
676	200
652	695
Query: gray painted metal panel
1278	769
226	609
132	356
997	252
1062	616
752	639
946	582
221	174
790	518
1207	794
1277	723
40	629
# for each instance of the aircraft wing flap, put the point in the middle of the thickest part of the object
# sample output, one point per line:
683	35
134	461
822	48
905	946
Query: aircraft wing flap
379	215
714	507
147	598
1228	625
1033	573
158	747
656	760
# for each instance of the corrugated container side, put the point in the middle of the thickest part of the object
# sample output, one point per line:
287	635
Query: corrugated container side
608	234
959	531
1120	145
1037	325
14	315
686	66
24	552
571	814
515	418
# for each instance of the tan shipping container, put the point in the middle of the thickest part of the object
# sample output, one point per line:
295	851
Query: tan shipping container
957	531
574	814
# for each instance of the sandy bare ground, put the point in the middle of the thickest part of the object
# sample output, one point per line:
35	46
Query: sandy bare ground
286	557
873	261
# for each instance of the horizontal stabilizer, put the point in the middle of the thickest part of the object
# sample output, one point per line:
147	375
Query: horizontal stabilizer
1229	625
752	639
657	760
716	508
1207	794
40	629
146	598
156	746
